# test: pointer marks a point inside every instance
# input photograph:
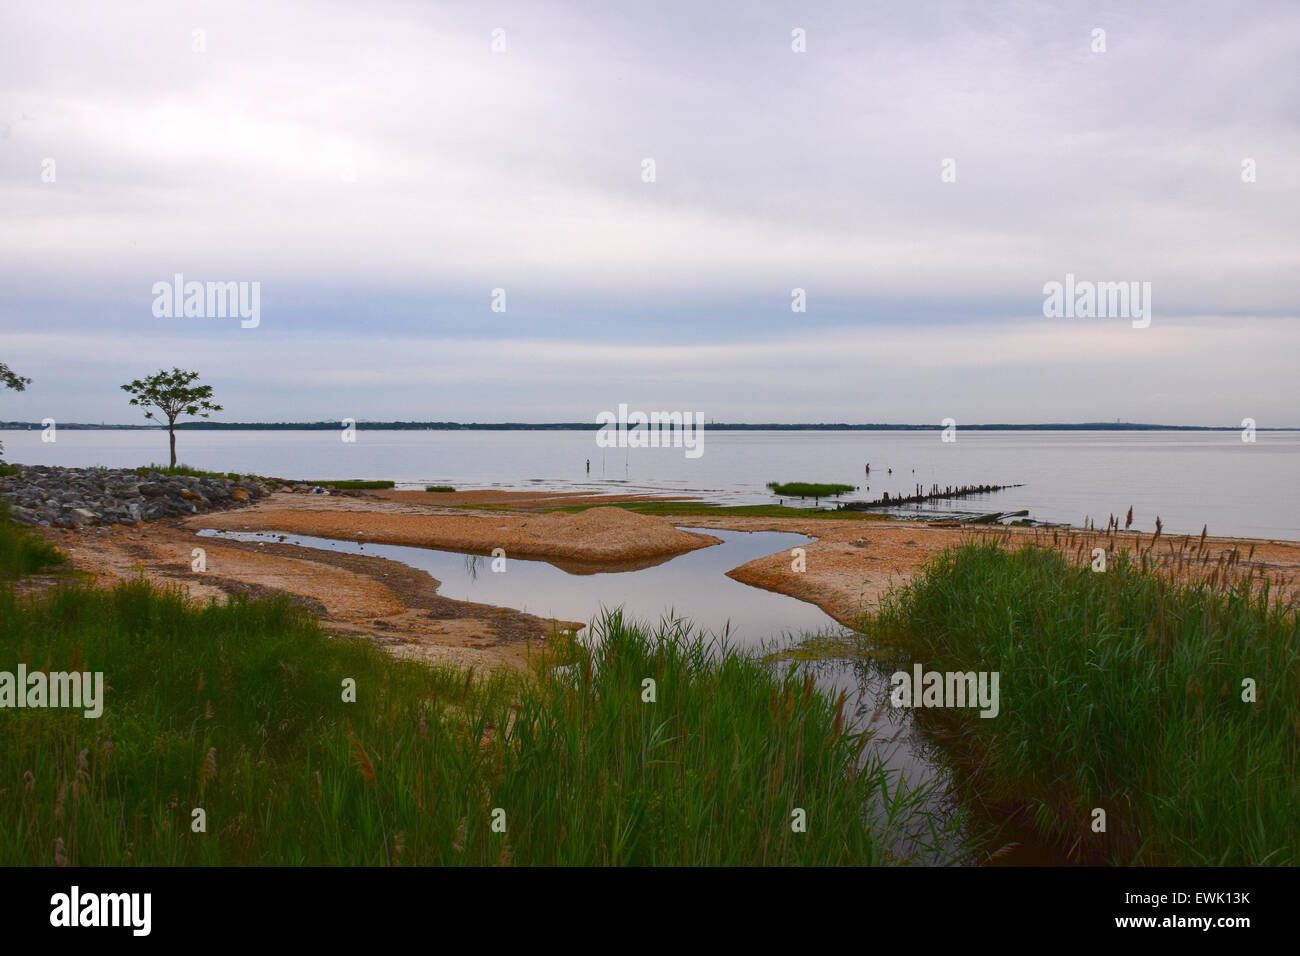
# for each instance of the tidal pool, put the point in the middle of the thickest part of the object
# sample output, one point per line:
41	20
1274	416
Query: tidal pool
693	586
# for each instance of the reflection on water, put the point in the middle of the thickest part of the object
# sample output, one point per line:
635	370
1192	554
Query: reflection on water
938	836
692	585
472	562
963	829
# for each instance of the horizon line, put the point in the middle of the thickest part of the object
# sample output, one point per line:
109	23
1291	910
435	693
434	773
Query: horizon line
430	425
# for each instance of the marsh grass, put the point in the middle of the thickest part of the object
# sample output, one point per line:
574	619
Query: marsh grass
22	552
805	489
238	709
1121	690
144	471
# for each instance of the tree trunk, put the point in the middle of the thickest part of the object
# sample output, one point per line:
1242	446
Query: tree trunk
171	434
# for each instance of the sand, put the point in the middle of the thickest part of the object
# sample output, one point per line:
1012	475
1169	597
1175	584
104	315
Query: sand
394	605
598	536
849	565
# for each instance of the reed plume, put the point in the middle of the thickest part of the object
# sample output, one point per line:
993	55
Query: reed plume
361	760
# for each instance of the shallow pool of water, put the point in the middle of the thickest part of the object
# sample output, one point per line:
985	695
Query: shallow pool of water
692	585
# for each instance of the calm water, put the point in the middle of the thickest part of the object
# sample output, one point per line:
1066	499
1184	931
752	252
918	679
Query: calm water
692	585
1186	478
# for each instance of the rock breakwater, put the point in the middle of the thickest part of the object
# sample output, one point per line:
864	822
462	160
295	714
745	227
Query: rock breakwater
50	496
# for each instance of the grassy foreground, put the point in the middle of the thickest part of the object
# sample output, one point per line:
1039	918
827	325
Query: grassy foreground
238	709
1120	691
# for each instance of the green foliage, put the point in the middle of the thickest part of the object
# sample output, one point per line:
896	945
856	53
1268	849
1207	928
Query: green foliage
442	489
11	379
170	395
22	552
238	709
804	489
173	470
1118	690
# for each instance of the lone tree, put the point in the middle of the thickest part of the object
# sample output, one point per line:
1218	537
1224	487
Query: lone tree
170	395
10	379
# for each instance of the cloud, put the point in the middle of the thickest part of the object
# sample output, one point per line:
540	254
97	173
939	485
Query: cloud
378	168
881	374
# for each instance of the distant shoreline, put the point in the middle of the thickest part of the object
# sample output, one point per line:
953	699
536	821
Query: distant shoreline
589	426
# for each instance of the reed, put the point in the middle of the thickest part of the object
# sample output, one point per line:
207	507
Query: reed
238	708
1121	690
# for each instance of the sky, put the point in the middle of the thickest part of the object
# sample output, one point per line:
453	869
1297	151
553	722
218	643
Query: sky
919	170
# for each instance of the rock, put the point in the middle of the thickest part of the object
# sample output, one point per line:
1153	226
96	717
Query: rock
23	515
75	497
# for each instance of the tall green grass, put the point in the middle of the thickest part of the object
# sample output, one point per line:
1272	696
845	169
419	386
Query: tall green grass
237	709
1119	690
22	552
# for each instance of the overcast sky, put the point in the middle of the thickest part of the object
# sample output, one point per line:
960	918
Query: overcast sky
379	169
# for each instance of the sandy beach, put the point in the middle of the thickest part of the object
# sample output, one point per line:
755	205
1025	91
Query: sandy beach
849	564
